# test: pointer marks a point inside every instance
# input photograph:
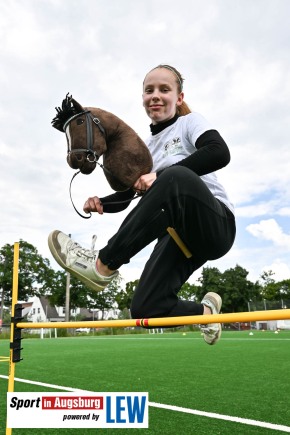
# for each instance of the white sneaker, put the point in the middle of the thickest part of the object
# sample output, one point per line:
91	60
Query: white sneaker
78	261
212	331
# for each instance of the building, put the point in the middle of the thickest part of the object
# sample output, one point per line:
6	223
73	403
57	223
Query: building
38	309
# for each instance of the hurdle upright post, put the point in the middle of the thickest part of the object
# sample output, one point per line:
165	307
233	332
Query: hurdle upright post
11	376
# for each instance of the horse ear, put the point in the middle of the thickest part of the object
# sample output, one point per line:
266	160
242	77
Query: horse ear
77	106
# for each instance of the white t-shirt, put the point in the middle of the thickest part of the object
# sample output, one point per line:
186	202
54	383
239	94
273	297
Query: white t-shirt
177	142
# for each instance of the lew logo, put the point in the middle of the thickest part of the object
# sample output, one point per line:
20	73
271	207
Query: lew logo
126	409
72	410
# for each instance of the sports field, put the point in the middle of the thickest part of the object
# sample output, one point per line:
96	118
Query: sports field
241	386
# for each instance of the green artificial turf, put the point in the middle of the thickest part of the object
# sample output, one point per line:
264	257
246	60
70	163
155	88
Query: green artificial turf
244	376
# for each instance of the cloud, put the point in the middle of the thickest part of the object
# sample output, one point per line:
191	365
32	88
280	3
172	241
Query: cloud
280	269
258	209
271	231
284	211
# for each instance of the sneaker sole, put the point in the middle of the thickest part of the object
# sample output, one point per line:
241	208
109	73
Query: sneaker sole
218	299
91	284
217	337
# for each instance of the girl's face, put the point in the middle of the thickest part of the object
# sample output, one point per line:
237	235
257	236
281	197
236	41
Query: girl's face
161	95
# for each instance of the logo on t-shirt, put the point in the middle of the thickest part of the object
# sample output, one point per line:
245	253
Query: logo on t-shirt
172	147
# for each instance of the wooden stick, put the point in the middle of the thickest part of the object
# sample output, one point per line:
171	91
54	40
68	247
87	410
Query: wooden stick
179	242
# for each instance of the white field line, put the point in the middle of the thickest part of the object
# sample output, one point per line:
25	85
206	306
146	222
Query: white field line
179	338
146	337
155	337
247	421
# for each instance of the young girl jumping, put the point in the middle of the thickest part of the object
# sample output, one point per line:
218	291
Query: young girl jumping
181	192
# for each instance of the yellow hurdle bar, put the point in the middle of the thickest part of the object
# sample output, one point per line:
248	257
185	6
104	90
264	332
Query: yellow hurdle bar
11	376
251	316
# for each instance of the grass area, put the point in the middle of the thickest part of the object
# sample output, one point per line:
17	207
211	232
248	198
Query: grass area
243	376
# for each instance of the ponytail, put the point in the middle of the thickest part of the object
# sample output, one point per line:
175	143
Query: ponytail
183	109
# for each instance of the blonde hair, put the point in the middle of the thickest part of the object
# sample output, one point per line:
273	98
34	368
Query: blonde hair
183	109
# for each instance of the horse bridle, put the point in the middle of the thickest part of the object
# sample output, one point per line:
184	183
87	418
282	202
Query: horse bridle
92	156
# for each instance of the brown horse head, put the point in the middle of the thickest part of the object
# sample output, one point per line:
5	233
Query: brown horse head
92	133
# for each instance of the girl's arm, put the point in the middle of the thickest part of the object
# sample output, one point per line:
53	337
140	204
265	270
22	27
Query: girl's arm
118	201
212	154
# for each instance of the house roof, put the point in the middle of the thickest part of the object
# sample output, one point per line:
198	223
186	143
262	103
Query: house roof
26	306
86	314
50	311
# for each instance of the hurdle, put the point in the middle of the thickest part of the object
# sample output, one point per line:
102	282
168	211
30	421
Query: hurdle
11	376
166	321
18	326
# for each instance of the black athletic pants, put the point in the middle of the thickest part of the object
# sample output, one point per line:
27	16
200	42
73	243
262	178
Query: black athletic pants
179	199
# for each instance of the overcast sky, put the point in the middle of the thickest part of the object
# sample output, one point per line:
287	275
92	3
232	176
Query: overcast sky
235	57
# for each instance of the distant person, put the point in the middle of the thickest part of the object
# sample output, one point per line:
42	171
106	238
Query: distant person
182	192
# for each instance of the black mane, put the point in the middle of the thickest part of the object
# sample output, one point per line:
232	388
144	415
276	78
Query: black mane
66	111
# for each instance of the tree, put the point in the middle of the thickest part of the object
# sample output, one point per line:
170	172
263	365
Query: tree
35	274
275	291
4	275
285	288
211	280
232	285
78	291
106	299
124	297
238	290
81	296
188	292
270	289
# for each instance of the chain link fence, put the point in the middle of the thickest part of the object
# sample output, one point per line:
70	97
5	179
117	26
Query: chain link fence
274	325
268	305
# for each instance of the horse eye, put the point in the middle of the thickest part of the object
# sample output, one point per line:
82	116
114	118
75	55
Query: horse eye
80	121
